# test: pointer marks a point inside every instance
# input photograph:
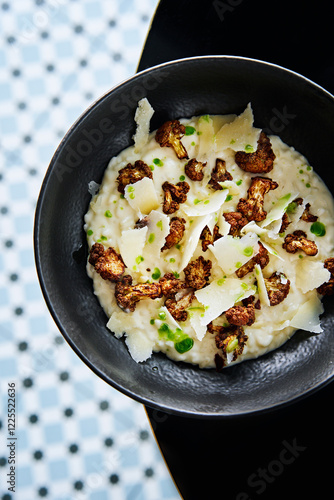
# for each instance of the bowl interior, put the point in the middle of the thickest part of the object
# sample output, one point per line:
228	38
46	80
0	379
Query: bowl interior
284	103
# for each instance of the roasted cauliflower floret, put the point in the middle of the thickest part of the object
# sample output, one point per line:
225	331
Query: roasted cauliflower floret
237	221
176	232
230	339
127	295
174	194
132	174
169	135
261	258
278	287
252	208
194	169
259	162
177	308
241	315
171	285
209	238
197	273
328	287
297	241
219	174
108	263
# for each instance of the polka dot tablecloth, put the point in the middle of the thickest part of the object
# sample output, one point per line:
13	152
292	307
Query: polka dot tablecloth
75	438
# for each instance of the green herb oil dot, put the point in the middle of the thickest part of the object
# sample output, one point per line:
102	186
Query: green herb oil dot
156	273
248	251
158	162
184	346
318	229
190	130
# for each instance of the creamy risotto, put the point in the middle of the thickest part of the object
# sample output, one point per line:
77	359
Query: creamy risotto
210	241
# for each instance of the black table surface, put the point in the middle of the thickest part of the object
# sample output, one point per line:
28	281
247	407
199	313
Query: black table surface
286	453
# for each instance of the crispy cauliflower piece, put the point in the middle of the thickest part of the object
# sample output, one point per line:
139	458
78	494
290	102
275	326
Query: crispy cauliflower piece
127	295
177	307
261	161
174	194
219	174
132	174
237	221
171	285
107	263
252	208
194	169
197	273
241	315
230	339
176	231
170	135
209	238
328	287
261	258
297	241
278	287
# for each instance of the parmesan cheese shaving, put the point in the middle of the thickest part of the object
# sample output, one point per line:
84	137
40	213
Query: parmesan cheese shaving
157	230
220	295
307	316
144	113
207	205
131	246
310	274
262	290
232	253
239	134
142	196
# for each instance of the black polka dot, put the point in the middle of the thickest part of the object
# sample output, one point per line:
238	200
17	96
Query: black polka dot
9	244
64	376
42	492
16	72
11	40
108	442
112	23
32	171
13	277
27	139
117	57
114	479
59	340
44	34
33	419
143	435
78	29
149	472
68	412
83	63
23	346
78	485
5	6
3	461
55	101
104	405
38	455
22	105
50	67
18	311
27	382
6	496
73	448
4	210
144	18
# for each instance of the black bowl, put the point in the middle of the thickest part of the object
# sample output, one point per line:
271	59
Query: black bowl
284	103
